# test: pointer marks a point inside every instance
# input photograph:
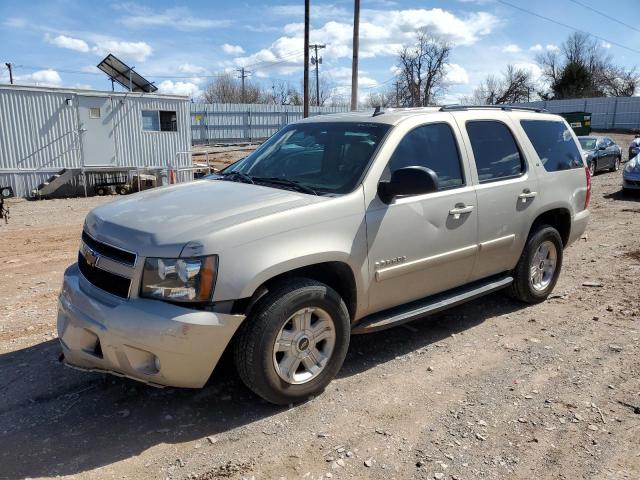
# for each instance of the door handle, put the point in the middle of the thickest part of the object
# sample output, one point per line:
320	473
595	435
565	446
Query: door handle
526	194
460	209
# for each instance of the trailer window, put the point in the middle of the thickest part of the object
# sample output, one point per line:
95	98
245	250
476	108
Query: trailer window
159	121
94	113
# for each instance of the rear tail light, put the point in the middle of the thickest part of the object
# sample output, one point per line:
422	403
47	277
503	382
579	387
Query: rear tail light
587	197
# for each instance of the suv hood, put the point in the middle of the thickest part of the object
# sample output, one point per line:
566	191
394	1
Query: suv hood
161	221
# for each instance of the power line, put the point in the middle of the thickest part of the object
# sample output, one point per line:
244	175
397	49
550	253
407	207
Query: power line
504	2
605	15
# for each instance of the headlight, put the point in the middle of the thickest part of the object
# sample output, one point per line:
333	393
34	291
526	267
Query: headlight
179	279
631	165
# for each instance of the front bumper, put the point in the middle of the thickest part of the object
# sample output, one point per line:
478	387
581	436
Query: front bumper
630	181
147	340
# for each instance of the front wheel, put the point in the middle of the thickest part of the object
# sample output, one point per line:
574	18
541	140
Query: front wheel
539	266
616	165
592	168
294	341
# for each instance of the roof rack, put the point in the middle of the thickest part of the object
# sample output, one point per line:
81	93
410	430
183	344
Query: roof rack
506	108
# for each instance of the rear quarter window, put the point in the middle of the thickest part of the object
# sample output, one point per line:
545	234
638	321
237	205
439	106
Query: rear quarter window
554	144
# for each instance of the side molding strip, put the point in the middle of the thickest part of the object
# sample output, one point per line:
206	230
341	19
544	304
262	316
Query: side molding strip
500	242
422	263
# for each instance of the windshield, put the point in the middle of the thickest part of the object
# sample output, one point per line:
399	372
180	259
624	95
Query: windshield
588	143
325	157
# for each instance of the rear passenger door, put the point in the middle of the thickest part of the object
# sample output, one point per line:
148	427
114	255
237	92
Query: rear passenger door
506	190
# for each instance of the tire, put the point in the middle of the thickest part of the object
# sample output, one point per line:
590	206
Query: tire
122	190
259	363
616	165
524	287
592	168
101	191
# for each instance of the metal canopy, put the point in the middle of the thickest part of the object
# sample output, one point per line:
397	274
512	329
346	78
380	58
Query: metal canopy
126	76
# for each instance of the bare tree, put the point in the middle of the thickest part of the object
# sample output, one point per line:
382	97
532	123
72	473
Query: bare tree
514	86
228	89
422	69
583	68
326	90
379	99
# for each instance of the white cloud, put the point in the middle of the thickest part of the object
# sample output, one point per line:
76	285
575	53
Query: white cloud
138	51
456	75
382	33
191	68
511	48
180	88
539	48
606	45
16	22
179	18
46	78
71	43
232	49
533	68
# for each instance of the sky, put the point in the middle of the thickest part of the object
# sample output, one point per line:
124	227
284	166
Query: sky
183	46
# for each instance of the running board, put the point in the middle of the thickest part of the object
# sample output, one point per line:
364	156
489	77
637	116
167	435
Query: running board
429	305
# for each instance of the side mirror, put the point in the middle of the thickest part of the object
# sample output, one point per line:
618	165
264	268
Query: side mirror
408	181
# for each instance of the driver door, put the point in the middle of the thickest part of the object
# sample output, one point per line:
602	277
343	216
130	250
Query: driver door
423	244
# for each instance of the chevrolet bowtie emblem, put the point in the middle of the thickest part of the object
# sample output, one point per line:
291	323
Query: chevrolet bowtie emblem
90	256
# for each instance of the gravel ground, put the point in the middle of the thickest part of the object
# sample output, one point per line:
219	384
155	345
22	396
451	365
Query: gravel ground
490	390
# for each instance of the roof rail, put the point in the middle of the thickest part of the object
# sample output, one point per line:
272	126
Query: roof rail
506	108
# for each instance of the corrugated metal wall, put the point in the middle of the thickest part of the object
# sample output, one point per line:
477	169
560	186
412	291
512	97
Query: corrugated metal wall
137	147
228	123
39	134
37	130
606	112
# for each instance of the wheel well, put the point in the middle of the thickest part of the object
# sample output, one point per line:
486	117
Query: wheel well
558	218
337	275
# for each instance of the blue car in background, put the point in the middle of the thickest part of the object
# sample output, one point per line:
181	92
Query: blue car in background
631	174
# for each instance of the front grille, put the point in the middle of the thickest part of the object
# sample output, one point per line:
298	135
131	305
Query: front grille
107	281
105	250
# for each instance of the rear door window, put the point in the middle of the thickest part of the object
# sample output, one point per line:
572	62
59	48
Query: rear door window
554	144
432	146
495	150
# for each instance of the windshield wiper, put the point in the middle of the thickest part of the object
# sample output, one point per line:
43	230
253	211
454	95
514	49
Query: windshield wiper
237	175
288	183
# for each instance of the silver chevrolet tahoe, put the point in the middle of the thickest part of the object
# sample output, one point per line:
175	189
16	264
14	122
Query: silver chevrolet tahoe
337	225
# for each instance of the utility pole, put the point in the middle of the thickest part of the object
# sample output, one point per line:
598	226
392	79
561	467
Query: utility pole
354	60
317	60
10	67
243	74
306	58
397	94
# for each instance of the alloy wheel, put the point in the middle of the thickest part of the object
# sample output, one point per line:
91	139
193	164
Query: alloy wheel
543	265
304	345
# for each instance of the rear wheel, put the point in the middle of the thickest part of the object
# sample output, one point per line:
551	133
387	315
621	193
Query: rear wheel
294	341
101	191
539	266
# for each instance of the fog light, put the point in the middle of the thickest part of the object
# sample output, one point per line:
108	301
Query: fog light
156	363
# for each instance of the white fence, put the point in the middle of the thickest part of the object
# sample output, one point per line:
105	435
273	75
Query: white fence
230	123
606	112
